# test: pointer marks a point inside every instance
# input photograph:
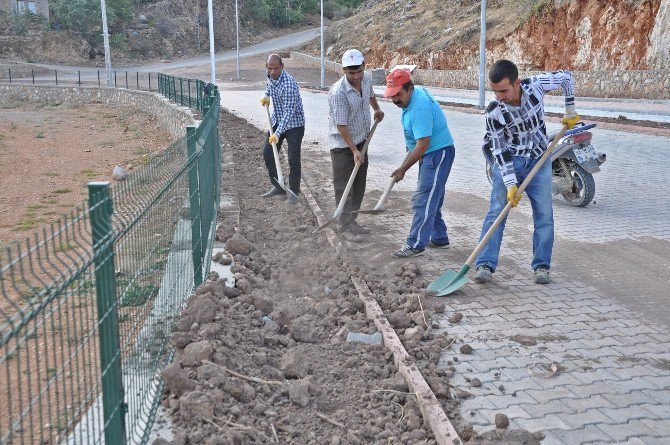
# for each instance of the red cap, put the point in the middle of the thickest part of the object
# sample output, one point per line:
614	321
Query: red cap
395	80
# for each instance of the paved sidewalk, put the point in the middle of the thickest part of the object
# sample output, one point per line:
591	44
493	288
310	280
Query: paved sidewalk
613	384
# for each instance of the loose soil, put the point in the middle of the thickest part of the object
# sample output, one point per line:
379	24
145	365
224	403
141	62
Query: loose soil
268	361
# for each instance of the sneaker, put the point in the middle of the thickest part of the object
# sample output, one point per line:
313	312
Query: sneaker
351	236
292	198
484	274
542	275
407	252
274	191
438	245
358	229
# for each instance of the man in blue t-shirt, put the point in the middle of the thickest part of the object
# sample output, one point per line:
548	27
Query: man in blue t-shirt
428	141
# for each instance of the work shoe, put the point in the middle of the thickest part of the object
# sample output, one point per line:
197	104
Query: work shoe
274	191
358	229
484	274
438	245
542	275
292	198
407	252
351	236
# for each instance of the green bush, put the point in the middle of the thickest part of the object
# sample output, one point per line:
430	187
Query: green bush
85	16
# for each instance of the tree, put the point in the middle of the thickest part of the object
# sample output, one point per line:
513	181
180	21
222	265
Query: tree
85	16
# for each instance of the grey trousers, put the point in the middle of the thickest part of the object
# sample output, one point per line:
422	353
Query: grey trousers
343	165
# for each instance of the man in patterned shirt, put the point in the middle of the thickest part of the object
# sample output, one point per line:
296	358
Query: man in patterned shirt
288	122
349	102
516	137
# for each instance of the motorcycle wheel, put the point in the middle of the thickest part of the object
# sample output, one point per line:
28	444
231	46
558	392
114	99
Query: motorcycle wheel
583	187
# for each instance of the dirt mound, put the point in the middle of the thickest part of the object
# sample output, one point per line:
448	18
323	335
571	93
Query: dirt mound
288	355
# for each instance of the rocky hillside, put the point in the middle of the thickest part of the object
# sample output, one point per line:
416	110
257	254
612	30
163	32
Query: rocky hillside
539	34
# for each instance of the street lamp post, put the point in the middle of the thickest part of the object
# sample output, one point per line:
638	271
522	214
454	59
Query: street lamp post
482	54
323	62
211	41
237	22
105	38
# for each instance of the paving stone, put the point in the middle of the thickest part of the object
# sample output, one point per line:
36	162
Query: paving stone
658	411
660	427
544	395
626	414
579	420
641	371
543	409
632	398
590	433
547	423
581	404
634	428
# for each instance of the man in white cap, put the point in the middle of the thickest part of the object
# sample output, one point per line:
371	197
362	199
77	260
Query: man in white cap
349	102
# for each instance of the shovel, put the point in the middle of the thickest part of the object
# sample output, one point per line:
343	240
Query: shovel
275	153
347	189
379	207
450	280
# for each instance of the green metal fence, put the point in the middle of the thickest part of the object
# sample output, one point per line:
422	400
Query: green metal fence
87	304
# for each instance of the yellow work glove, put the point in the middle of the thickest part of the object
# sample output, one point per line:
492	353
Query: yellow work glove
265	101
273	139
512	196
571	120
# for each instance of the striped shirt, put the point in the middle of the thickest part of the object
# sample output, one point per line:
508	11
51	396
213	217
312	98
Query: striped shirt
287	103
520	131
349	107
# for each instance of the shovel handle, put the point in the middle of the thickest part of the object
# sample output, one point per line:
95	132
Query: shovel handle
385	195
275	151
508	207
347	189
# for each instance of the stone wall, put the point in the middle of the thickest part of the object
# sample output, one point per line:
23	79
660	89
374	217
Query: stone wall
172	117
648	84
651	84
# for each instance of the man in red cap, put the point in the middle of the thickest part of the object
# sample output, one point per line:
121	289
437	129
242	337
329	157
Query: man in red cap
429	142
349	102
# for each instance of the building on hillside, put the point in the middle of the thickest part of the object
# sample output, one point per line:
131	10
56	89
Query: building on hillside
22	6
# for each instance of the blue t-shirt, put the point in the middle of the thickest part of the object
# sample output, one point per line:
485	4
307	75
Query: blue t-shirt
423	117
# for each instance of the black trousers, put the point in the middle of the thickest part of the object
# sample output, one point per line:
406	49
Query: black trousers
343	164
293	139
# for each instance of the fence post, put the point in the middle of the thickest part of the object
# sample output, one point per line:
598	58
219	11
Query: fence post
197	243
10	75
181	91
78	77
114	79
188	86
56	74
150	82
137	76
98	77
32	72
126	79
114	409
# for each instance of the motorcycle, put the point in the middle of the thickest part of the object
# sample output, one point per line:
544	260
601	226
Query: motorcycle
573	163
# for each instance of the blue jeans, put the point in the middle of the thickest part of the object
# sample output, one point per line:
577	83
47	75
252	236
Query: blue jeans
539	193
427	223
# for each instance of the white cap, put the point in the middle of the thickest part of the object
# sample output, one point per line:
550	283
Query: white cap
352	57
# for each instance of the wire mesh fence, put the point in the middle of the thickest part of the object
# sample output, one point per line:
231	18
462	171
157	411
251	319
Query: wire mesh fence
86	304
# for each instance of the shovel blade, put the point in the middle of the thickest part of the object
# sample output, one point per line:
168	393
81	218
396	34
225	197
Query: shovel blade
450	281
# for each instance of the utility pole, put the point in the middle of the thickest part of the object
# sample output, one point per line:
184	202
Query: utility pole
323	62
237	22
105	38
211	41
482	55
